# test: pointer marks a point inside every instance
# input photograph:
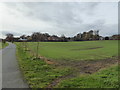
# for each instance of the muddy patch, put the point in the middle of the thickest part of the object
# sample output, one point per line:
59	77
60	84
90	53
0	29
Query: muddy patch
83	67
90	66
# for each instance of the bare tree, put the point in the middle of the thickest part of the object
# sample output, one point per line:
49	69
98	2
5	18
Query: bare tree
63	38
10	37
23	37
37	37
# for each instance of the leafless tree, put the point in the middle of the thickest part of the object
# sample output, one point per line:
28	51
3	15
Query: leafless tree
10	37
37	37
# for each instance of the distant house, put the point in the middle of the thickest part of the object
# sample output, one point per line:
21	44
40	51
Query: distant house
29	38
115	37
16	39
53	38
101	38
22	40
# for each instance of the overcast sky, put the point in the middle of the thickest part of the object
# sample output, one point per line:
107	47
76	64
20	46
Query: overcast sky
68	18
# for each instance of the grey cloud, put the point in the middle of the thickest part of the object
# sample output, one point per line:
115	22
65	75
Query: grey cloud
97	25
56	12
13	32
66	17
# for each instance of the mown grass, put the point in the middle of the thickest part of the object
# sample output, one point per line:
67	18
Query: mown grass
88	50
3	45
37	73
106	78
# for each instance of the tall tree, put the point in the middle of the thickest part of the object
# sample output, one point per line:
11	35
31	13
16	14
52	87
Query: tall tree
63	38
10	37
23	37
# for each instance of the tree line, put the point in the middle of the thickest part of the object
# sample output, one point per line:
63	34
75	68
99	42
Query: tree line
45	37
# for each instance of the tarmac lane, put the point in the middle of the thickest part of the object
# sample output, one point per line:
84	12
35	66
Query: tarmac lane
11	75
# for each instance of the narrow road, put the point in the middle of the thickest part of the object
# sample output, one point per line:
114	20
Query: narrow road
0	69
11	75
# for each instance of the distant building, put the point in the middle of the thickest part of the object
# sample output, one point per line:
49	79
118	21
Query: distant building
16	39
115	37
22	40
101	38
53	38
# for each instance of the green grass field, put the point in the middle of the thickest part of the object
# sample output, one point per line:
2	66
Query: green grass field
89	64
2	45
90	50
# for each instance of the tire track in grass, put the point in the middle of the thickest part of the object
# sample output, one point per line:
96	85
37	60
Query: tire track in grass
83	67
56	81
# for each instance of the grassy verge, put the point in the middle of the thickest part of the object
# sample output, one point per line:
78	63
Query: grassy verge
3	45
107	78
37	73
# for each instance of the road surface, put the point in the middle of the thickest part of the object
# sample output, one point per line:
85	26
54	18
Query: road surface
11	75
0	69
